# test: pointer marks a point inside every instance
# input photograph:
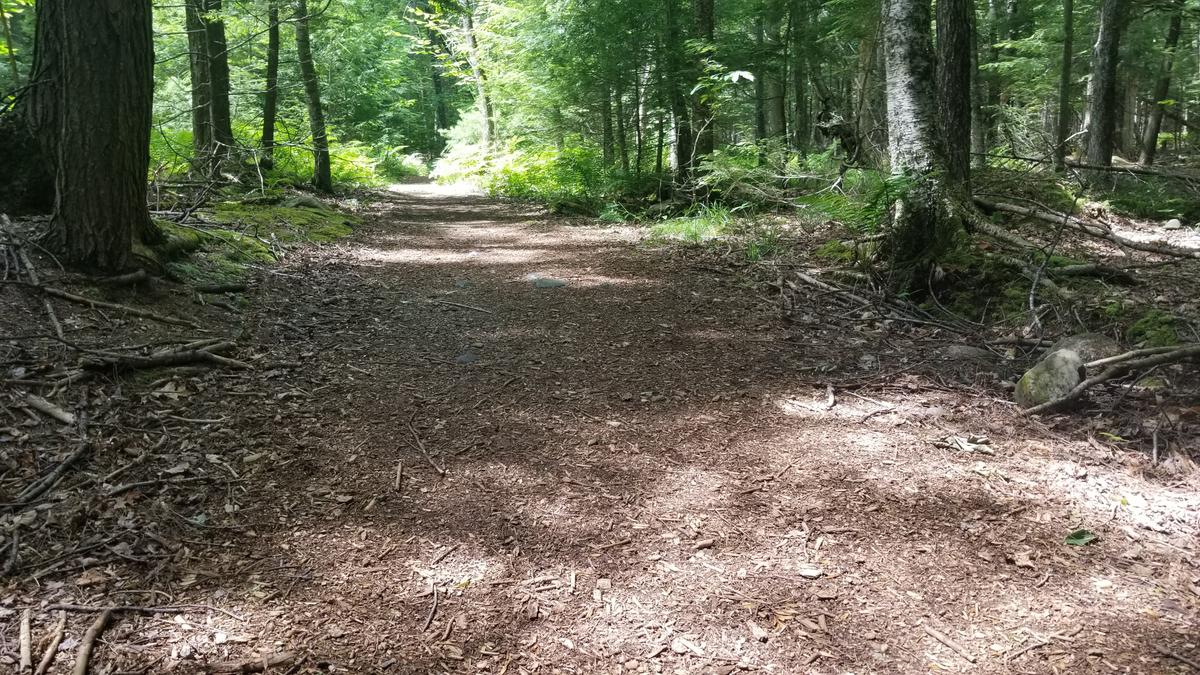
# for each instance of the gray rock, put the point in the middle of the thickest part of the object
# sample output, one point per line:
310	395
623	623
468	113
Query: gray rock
1173	224
467	358
1089	346
462	283
967	353
1052	378
304	201
548	283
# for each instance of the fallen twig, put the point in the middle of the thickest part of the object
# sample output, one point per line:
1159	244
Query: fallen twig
90	302
1177	656
83	658
42	405
25	639
259	665
138	609
462	306
46	482
31	271
945	639
432	610
420	445
52	647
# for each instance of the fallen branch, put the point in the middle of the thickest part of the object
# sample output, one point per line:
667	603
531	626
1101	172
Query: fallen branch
42	405
145	314
1114	371
45	483
945	639
259	665
168	358
1089	228
84	657
31	271
52	647
25	639
462	306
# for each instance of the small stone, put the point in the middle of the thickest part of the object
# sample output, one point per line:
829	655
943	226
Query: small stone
811	572
462	283
1173	224
467	358
548	283
827	594
967	353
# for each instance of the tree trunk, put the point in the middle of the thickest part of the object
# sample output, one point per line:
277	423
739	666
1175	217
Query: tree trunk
202	126
322	172
1162	87
639	136
979	145
685	143
702	111
775	105
218	67
606	126
954	21
622	133
271	95
100	111
1102	107
482	98
801	123
1064	87
924	226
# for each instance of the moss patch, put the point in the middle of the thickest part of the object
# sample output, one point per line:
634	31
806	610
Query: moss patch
286	224
1155	328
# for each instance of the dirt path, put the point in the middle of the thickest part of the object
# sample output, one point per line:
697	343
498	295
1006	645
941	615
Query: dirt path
635	472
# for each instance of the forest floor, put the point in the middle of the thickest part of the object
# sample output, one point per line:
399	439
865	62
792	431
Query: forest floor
479	438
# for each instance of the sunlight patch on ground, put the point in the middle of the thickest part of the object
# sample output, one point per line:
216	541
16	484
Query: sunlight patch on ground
435	256
424	189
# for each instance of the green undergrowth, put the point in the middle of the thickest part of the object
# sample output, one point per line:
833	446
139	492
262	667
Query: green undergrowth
1155	328
250	235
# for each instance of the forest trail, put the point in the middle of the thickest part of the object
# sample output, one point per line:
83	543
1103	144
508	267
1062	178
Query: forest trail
635	477
481	438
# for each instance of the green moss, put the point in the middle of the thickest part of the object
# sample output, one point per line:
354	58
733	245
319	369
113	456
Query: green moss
837	251
286	224
1155	329
1114	310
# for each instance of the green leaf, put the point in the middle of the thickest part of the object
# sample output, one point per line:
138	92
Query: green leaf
1081	538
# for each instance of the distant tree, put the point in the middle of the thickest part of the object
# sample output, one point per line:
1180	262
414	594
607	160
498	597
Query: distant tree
271	88
1162	87
322	171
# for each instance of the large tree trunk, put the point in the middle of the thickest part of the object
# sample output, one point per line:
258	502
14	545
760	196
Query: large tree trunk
702	111
218	70
100	111
622	131
1162	87
1102	107
954	27
1064	86
924	224
322	172
202	127
271	92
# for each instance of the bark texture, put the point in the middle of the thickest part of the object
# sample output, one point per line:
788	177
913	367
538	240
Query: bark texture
702	111
105	71
923	226
202	133
1102	107
322	171
954	28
